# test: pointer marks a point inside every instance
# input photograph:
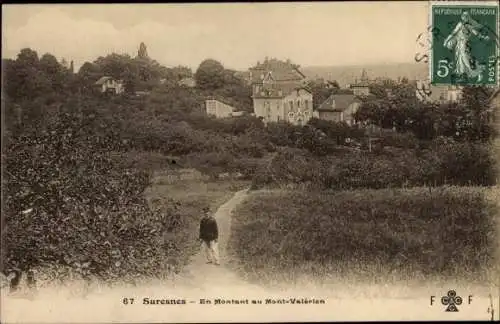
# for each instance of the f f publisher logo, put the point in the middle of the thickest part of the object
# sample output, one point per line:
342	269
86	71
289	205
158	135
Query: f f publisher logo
451	301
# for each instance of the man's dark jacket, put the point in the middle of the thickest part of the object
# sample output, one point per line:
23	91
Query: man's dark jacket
208	229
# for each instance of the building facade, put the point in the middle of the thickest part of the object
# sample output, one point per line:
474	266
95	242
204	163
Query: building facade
294	105
108	84
360	87
339	108
279	93
427	92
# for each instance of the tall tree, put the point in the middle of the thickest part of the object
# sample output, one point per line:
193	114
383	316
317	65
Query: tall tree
24	79
210	75
143	52
54	71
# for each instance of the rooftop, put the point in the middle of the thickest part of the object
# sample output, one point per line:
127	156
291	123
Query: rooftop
338	102
280	71
103	79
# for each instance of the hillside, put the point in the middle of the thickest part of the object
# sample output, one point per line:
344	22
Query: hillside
347	74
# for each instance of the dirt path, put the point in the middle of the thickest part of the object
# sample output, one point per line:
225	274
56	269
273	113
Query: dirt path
201	281
208	277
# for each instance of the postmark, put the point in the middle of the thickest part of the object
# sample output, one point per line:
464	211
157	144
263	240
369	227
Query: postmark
464	43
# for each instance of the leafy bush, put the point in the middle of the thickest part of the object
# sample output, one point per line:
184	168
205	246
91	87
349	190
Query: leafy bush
441	163
68	201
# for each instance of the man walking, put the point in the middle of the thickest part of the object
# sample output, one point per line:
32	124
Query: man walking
209	234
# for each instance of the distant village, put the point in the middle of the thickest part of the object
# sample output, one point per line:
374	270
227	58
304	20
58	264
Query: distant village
280	94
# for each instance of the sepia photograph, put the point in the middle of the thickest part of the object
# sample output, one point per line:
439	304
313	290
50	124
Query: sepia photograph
250	162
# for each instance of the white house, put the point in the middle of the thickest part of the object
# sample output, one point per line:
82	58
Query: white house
108	84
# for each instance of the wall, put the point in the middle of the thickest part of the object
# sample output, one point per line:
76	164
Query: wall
278	109
299	101
271	109
329	115
360	91
349	112
218	109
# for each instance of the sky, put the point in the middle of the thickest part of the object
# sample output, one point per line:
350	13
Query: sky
236	34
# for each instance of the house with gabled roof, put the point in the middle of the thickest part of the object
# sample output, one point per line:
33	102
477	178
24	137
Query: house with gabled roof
339	108
279	93
108	84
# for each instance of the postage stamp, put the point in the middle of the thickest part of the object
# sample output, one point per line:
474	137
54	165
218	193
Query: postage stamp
464	42
187	164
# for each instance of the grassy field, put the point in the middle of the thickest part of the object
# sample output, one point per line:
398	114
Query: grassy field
374	235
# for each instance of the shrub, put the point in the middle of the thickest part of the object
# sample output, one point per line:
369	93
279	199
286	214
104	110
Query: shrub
68	201
439	164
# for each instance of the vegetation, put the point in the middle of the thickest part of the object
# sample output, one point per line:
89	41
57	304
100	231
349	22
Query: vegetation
411	233
77	163
445	162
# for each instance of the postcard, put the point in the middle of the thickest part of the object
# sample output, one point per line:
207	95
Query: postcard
250	162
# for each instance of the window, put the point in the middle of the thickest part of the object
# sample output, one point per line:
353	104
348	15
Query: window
291	105
307	104
298	103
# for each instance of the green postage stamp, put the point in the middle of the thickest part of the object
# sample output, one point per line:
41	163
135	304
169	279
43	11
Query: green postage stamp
464	45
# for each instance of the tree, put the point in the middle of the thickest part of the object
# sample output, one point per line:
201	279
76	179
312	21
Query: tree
24	80
87	75
28	57
143	52
320	91
210	75
180	72
55	72
476	103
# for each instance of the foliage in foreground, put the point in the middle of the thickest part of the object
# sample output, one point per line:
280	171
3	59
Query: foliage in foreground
68	201
413	231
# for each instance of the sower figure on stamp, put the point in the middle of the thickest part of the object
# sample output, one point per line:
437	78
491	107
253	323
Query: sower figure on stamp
458	41
209	234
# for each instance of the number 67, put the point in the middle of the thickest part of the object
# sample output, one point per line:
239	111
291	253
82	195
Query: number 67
443	68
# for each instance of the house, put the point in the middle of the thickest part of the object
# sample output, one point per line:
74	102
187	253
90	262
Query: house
219	109
188	82
361	88
275	103
107	84
339	108
279	93
427	92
